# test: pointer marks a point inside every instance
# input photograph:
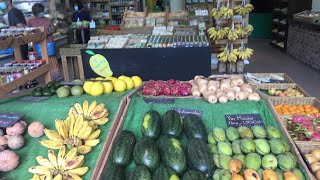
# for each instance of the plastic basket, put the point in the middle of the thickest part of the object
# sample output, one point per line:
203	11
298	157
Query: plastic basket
50	46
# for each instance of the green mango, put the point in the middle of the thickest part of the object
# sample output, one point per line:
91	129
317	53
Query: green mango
219	134
259	132
269	161
236	146
224	148
211	139
245	133
293	157
279	173
232	133
253	161
248	146
240	157
224	161
217	174
225	175
260	171
276	146
273	133
216	160
213	148
299	173
286	145
262	146
285	162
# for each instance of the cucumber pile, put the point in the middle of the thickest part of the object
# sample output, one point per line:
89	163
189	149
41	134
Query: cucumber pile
222	154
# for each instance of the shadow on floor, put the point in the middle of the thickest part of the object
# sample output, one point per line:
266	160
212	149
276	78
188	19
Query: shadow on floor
269	59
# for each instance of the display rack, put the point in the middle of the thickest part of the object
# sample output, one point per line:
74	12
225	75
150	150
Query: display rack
15	43
280	25
117	10
99	11
192	5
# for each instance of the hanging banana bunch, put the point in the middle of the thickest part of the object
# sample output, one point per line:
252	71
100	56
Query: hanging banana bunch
233	35
249	29
218	34
223	56
244	53
243	9
216	13
232	56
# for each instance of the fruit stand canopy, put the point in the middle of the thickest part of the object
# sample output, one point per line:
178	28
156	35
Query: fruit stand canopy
46	112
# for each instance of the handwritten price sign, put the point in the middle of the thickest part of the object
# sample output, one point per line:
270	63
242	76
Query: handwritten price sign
9	119
247	120
184	111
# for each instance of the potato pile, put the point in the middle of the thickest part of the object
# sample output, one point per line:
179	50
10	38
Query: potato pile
224	90
314	161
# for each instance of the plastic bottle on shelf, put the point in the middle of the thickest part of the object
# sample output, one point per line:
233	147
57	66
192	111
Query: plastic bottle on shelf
92	24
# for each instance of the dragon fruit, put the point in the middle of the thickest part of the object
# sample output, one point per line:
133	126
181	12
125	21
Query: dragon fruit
171	81
169	88
305	127
175	91
183	91
166	90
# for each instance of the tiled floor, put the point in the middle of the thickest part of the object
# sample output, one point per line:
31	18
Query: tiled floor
269	59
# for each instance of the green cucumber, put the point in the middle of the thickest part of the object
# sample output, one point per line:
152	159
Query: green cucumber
164	173
192	175
194	127
199	157
173	156
139	173
146	153
151	124
122	148
171	124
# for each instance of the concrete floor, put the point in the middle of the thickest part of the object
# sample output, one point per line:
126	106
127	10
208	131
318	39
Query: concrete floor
269	59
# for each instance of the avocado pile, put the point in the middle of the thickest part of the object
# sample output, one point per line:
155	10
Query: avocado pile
48	90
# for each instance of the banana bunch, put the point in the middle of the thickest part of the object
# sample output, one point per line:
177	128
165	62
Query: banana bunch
95	113
216	34
223	12
243	31
64	165
72	132
232	56
233	35
249	29
223	56
244	53
243	9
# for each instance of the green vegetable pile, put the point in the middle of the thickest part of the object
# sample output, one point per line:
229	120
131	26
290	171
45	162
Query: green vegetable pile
223	154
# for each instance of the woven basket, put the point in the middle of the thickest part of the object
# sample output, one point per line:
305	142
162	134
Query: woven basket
283	87
287	79
225	76
304	146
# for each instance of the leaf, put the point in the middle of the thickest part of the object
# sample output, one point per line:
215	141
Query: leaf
90	52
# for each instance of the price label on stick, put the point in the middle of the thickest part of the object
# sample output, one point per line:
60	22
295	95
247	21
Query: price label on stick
159	100
9	119
247	120
185	111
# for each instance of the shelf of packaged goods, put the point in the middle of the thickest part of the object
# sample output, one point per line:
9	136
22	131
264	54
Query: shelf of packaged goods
7	88
96	1
120	5
117	14
100	18
98	10
21	40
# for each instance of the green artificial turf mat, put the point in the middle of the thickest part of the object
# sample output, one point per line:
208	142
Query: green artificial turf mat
46	112
213	114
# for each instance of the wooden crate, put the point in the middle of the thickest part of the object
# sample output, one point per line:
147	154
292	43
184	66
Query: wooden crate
287	79
283	87
72	49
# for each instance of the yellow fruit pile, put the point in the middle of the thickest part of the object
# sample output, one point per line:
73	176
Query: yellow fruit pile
120	84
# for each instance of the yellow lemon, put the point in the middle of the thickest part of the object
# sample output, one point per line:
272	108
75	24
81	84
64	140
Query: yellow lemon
99	78
129	82
86	86
120	85
96	89
108	87
112	79
122	77
137	81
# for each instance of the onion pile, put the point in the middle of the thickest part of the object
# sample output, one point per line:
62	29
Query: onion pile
228	89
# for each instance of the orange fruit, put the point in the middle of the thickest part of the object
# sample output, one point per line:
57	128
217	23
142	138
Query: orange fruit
307	106
286	113
286	105
278	106
314	111
291	108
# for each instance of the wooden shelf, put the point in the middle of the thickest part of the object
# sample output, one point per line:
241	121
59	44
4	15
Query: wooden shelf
225	41
100	18
121	5
7	88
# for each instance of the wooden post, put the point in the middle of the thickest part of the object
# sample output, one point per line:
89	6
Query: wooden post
44	54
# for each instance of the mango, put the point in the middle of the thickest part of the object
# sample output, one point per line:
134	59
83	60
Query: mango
273	133
250	174
211	139
219	134
236	146
262	146
269	174
213	148
235	166
240	157
285	162
279	173
253	161
236	177
217	174
259	132
277	146
248	146
286	145
224	161
260	171
225	175
224	148
293	157
298	173
216	160
290	176
245	133
269	161
232	133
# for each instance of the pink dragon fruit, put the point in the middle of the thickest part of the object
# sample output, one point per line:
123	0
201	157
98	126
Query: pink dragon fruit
147	91
175	91
315	136
154	91
171	81
166	90
183	91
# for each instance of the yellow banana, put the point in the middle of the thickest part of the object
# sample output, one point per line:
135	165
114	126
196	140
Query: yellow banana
53	135
73	111
85	107
79	171
94	135
84	149
35	177
38	170
91	107
44	162
51	144
78	108
97	109
58	177
72	176
91	142
101	121
78	125
52	158
85	132
71	154
74	163
61	154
